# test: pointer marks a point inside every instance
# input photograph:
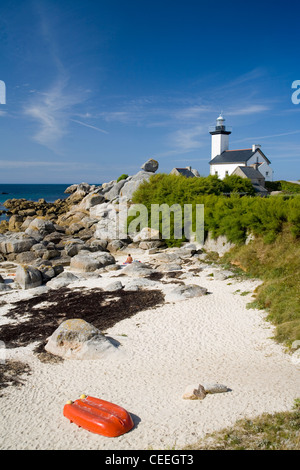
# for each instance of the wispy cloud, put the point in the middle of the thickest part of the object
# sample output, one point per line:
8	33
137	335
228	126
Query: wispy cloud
247	110
192	112
184	140
52	110
268	136
90	126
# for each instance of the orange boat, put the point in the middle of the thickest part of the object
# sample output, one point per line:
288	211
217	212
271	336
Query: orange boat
98	416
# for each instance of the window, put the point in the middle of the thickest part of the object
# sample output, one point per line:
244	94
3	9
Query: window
216	173
226	173
267	173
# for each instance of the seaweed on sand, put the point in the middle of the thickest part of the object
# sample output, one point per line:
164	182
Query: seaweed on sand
37	318
10	372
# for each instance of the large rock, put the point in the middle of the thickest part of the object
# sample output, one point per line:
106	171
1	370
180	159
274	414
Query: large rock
15	223
89	262
186	292
49	272
194	392
147	234
112	222
91	200
78	191
77	339
151	166
136	269
169	267
28	277
16	243
131	186
165	257
54	237
215	388
84	262
220	244
114	191
40	228
62	280
27	257
114	286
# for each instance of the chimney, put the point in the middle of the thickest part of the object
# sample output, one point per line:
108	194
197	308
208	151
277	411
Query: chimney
189	168
255	166
255	147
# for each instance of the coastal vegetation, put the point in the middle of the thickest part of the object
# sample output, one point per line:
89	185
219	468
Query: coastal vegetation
284	186
233	216
122	177
277	264
278	431
273	224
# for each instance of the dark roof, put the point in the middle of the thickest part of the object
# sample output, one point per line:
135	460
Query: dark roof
233	156
236	156
185	172
250	172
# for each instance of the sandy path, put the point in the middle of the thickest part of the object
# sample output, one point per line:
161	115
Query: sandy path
203	340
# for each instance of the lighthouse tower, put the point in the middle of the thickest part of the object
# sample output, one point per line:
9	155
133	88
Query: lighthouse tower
220	137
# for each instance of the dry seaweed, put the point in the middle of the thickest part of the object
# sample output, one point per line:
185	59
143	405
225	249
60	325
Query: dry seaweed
37	318
10	373
155	276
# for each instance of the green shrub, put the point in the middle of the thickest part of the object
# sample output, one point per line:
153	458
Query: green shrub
233	216
122	177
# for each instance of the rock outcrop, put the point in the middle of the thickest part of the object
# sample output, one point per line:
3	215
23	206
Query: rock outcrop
79	340
28	277
83	232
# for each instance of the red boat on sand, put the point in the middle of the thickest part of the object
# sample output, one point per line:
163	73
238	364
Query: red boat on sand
99	416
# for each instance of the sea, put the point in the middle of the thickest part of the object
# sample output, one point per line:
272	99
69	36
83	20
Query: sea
32	192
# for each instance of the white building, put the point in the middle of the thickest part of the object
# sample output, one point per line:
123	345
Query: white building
224	161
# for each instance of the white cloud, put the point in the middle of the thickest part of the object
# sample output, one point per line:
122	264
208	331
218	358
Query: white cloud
192	112
184	141
247	110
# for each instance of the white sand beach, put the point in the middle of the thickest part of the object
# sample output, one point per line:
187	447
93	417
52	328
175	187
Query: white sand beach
209	339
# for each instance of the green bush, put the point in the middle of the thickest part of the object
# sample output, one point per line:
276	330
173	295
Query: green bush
122	177
285	186
233	216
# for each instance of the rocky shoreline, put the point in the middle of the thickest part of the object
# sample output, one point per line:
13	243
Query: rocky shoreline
77	232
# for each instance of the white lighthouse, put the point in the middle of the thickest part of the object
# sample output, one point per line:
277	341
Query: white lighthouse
220	137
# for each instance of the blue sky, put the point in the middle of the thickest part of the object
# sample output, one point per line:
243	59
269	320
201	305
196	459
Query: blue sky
95	88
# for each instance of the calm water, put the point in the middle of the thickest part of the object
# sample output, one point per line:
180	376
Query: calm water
32	192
